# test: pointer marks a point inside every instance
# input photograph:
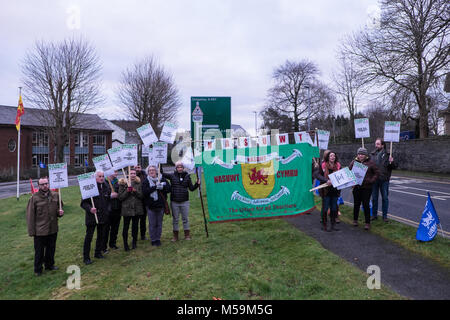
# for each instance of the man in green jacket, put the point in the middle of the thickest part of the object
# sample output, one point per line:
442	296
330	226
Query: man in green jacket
42	220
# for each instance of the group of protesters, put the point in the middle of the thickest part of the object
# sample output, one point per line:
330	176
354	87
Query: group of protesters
140	195
379	168
144	194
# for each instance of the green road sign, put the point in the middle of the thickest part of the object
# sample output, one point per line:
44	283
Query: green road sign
210	113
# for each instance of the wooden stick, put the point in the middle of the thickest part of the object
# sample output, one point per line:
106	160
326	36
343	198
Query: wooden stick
59	196
324	185
362	139
110	184
390	150
126	178
93	206
201	201
159	172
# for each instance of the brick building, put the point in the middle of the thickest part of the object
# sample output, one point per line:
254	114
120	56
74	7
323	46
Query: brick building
90	138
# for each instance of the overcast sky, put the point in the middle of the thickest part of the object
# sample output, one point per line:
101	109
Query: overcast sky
211	47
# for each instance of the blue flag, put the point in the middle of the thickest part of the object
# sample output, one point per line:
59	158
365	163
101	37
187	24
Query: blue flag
428	224
86	163
42	165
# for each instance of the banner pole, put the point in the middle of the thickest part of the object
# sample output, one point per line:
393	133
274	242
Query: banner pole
391	150
18	162
93	206
201	201
362	140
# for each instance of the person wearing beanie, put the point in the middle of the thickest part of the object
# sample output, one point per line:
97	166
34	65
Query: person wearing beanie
362	193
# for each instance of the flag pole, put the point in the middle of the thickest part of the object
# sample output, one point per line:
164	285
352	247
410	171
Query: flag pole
201	201
18	152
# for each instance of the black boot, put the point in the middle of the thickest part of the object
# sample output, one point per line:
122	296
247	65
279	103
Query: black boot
333	227
125	244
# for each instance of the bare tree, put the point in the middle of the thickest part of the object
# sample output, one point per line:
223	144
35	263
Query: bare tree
148	94
297	92
63	79
410	49
349	84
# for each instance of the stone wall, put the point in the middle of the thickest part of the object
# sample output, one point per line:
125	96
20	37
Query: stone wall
426	155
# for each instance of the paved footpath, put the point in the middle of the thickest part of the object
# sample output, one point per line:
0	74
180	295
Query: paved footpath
406	273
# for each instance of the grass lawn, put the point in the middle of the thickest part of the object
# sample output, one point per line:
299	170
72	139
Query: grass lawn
437	250
265	259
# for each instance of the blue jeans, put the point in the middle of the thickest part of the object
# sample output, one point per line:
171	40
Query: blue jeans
329	203
383	187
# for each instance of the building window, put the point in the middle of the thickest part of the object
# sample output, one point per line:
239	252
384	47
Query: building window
81	140
12	145
39	148
99	143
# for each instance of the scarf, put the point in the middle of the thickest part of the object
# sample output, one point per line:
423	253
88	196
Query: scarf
153	182
326	167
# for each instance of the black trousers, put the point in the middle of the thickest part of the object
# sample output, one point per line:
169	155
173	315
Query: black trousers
101	233
44	251
361	196
143	225
112	229
134	228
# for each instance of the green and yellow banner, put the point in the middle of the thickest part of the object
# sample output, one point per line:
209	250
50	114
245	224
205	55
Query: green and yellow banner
258	183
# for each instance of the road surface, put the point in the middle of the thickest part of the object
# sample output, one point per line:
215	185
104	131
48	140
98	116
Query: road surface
407	199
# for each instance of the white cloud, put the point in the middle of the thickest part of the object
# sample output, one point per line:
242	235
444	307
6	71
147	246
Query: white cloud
212	47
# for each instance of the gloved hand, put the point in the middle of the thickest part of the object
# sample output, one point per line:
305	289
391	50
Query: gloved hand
160	185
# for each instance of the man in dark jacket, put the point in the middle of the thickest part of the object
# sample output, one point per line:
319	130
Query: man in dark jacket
180	182
385	164
102	208
42	221
141	174
114	215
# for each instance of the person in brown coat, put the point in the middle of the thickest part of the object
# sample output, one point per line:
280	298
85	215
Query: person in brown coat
131	198
42	221
362	193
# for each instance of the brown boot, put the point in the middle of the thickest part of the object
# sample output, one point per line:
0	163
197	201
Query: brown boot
187	235
175	236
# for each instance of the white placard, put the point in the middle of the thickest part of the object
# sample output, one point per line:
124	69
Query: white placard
282	138
209	145
151	160
102	163
168	133
362	128
244	142
303	137
115	154
147	134
188	159
392	131
264	141
342	177
160	152
57	173
227	143
129	155
88	185
323	137
359	170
